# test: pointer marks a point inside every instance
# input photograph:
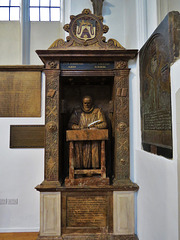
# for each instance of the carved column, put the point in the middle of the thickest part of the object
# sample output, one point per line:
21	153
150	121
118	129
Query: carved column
121	122
52	73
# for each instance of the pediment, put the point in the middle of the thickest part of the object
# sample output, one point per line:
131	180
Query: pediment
86	32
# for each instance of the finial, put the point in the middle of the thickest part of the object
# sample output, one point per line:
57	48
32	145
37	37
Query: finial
97	7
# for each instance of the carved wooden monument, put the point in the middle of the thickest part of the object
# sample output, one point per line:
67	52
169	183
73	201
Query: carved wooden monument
87	192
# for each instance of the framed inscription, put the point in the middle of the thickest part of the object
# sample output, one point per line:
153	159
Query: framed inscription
20	93
90	212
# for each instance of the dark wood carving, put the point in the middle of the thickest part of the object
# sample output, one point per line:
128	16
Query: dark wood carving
52	123
93	136
156	56
87	65
121	122
28	136
60	60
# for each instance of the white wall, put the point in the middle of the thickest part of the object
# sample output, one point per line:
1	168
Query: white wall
176	95
157	199
21	170
157	177
42	35
10	43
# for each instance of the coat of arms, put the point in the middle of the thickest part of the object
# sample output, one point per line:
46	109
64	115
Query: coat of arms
86	29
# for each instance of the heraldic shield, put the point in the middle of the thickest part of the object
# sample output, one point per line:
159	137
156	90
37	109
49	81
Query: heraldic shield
86	29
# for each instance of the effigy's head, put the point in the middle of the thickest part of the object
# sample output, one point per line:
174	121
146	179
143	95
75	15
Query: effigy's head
87	103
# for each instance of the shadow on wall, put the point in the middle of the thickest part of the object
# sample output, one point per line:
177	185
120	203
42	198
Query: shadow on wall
107	8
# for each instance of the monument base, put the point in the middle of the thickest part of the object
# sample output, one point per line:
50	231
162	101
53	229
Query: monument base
101	236
87	212
49	238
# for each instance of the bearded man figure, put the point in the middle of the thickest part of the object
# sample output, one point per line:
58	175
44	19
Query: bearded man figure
87	117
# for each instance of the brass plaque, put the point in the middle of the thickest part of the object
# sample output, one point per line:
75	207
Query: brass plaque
156	57
20	93
27	136
87	211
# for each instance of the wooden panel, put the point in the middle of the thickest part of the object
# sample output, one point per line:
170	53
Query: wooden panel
29	136
89	212
84	135
20	93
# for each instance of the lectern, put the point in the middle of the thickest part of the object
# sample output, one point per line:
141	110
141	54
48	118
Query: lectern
87	203
93	136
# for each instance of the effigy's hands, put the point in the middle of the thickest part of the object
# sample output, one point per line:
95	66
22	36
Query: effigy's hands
75	127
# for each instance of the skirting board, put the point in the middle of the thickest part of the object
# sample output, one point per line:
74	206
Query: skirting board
10	230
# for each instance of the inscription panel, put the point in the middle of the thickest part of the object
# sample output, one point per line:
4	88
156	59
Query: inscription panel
86	66
86	212
157	121
20	94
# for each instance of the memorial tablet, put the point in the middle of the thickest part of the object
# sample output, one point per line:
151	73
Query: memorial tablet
20	93
27	136
156	57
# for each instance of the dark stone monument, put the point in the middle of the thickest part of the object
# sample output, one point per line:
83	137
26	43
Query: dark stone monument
156	57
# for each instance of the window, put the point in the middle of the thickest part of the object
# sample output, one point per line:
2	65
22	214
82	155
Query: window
9	10
45	10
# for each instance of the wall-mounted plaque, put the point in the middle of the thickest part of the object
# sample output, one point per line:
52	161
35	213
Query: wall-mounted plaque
155	59
20	93
27	136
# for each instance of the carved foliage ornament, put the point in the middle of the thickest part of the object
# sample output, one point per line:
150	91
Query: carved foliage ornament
86	29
